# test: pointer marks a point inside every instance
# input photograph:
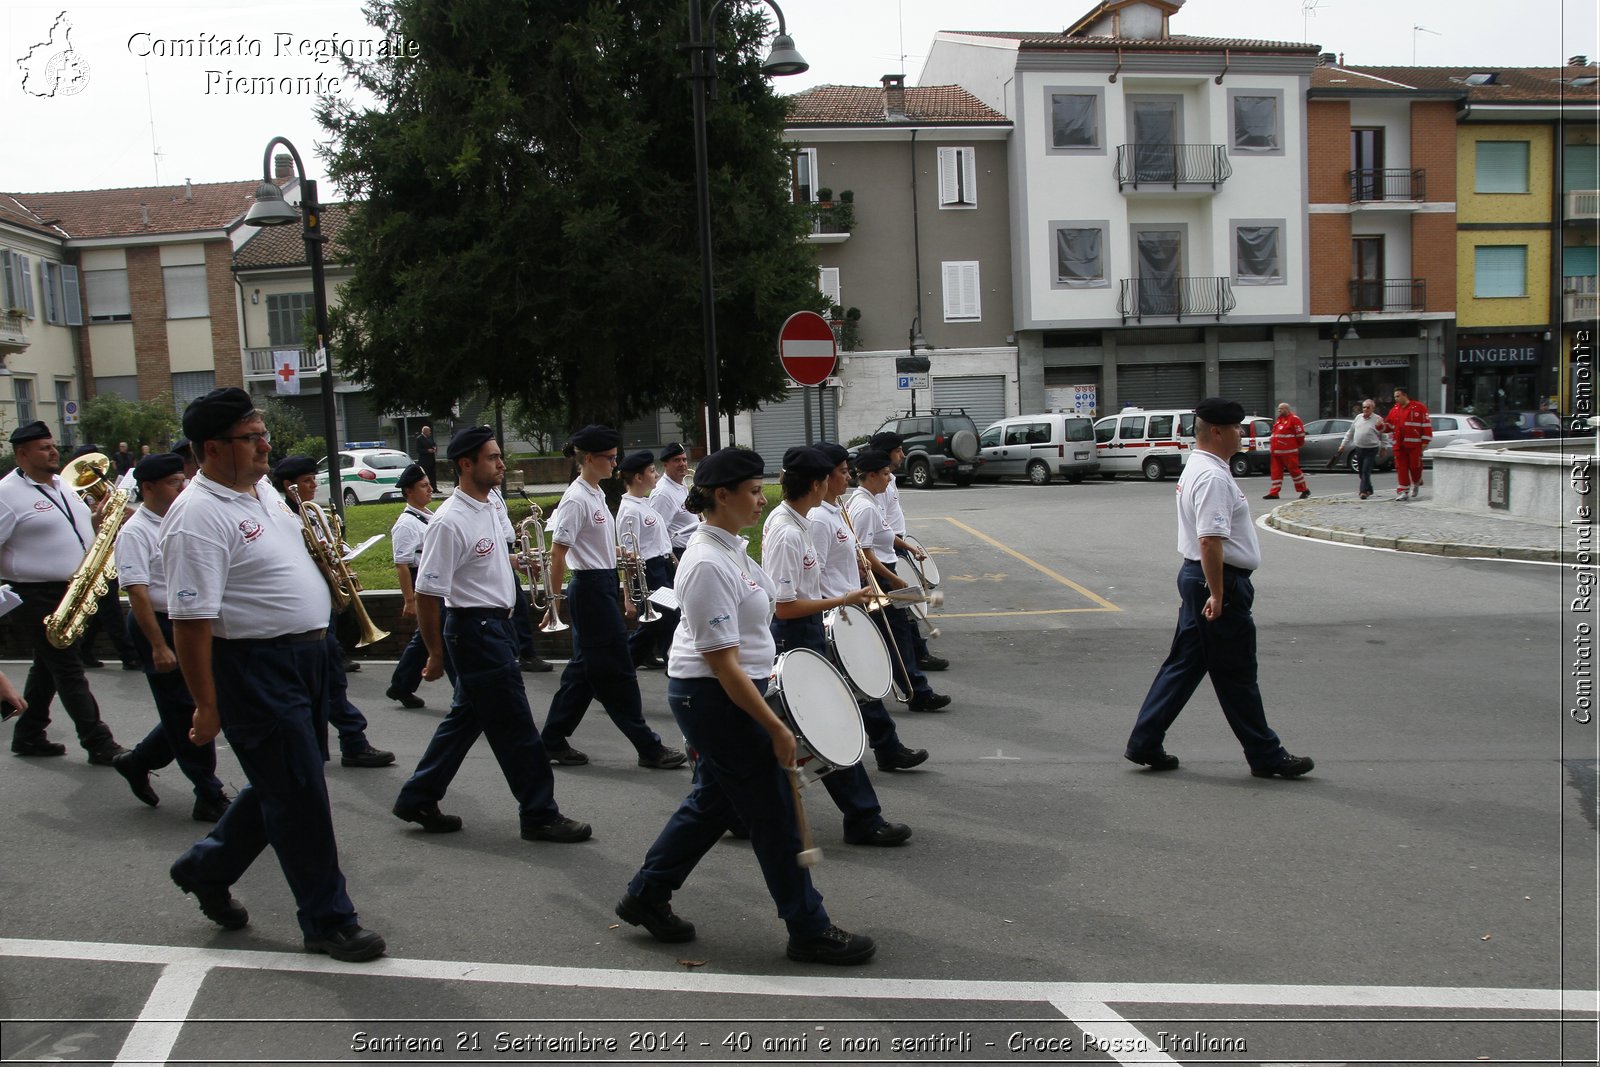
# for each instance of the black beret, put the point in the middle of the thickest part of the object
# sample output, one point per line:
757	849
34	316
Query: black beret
215	413
836	453
292	468
468	439
410	476
33	431
674	449
1220	412
86	449
872	459
183	448
595	438
803	459
886	441
157	466
636	461
728	466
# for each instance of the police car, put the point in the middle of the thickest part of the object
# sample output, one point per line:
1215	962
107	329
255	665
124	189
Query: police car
367	474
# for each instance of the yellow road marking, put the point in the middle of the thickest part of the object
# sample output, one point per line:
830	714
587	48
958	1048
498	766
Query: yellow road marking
1005	614
1105	605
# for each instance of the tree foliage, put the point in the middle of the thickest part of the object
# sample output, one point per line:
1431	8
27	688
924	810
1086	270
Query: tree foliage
525	219
288	429
110	418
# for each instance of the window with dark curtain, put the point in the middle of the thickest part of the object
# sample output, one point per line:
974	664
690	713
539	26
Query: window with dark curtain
1078	256
1260	258
1072	121
1255	122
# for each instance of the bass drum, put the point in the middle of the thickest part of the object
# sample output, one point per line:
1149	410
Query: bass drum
857	647
927	570
809	694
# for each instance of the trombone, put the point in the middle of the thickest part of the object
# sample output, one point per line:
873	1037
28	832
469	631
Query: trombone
635	584
534	561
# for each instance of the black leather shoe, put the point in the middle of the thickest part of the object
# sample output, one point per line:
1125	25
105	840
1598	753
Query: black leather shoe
657	919
929	701
1304	493
106	757
405	700
37	747
350	945
663	759
889	834
1159	760
138	778
92	662
560	829
429	817
933	663
534	665
210	810
353	666
903	760
132	665
651	663
833	945
1288	767
216	903
567	756
367	757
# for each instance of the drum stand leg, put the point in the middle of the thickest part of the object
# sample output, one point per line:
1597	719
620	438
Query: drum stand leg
810	855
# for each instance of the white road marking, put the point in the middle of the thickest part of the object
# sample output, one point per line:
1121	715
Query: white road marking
1121	1040
165	1011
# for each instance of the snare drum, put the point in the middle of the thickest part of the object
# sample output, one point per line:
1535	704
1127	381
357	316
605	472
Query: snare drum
809	694
927	570
858	648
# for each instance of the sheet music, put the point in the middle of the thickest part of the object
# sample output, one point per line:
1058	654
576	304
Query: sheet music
665	598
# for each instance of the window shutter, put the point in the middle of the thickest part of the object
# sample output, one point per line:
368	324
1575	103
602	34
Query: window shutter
48	283
1500	270
186	292
958	179
25	272
1502	167
828	282
71	296
961	293
108	295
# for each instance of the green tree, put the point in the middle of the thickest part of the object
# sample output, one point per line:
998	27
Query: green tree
525	219
109	418
288	429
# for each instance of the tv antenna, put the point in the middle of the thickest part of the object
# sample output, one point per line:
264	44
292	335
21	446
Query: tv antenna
1308	11
149	100
1414	31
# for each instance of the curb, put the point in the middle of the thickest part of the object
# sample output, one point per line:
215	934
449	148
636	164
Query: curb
1285	523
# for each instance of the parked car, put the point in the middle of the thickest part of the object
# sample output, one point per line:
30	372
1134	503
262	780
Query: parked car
1039	447
941	444
1156	444
1323	438
1450	428
1518	425
1255	447
366	475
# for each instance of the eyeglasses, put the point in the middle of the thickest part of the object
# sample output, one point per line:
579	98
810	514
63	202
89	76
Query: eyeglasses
262	438
612	458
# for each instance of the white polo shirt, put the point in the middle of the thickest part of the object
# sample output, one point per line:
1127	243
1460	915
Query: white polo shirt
582	522
138	555
648	526
464	556
872	529
240	560
889	502
789	556
405	536
45	529
727	600
836	546
1211	504
667	498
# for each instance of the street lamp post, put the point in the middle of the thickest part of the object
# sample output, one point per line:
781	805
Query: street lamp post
1349	335
270	209
782	60
913	363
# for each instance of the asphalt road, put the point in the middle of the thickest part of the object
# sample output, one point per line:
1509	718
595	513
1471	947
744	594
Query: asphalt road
1425	894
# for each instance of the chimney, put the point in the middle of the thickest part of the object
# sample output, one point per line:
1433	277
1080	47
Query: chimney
283	166
1326	59
144	215
188	190
1578	61
894	96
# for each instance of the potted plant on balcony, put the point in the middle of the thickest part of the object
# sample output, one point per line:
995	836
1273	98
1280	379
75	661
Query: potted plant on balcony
825	198
848	333
844	212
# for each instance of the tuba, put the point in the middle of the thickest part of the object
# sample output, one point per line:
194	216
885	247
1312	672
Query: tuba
324	541
86	476
534	561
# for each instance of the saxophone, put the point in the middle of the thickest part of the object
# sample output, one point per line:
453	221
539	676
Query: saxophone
86	476
325	541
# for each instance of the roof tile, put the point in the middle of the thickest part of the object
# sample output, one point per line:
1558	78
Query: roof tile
137	212
863	105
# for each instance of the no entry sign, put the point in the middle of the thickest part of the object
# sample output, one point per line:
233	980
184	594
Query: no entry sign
806	349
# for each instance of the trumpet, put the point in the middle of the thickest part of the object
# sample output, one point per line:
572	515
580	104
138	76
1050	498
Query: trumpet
635	585
534	561
325	542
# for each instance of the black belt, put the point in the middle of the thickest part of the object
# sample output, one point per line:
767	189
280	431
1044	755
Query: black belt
305	637
481	613
1227	568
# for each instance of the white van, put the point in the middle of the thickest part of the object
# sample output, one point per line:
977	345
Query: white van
1039	447
1151	443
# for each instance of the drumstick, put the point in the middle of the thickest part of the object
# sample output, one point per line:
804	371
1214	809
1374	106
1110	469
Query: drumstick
810	855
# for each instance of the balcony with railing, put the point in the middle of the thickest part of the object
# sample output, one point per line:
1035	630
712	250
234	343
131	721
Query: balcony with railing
1175	298
1145	167
832	220
13	332
261	364
1402	186
1390	294
1582	204
1580	299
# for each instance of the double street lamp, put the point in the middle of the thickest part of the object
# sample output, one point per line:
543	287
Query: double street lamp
782	60
1349	334
271	209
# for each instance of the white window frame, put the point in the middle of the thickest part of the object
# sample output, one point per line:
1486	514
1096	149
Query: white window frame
109	300
958	177
963	291
828	285
1500	252
183	299
1502	169
811	156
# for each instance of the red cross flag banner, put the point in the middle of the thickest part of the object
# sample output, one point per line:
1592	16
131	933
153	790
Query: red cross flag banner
286	369
806	349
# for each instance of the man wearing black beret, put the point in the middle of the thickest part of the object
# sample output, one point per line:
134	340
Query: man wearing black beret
1216	634
669	495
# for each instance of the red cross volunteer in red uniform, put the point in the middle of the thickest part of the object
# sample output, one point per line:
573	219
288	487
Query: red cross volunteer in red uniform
1412	432
1288	434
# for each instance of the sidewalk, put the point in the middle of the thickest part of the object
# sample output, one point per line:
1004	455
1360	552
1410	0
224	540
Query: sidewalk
1421	526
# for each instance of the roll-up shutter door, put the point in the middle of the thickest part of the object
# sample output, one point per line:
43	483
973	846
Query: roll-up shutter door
1064	386
1249	382
983	396
779	427
1167	385
361	421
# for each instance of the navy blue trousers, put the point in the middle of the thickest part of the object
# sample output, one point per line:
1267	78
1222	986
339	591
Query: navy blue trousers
407	676
489	700
849	787
54	670
902	630
656	637
272	696
170	739
919	644
737	779
600	666
1224	649
345	716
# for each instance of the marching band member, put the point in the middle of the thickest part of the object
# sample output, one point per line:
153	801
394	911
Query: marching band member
892	443
250	611
841	574
874	471
669	494
405	539
300	473
649	643
45	532
582	541
791	560
720	663
160	479
463	569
